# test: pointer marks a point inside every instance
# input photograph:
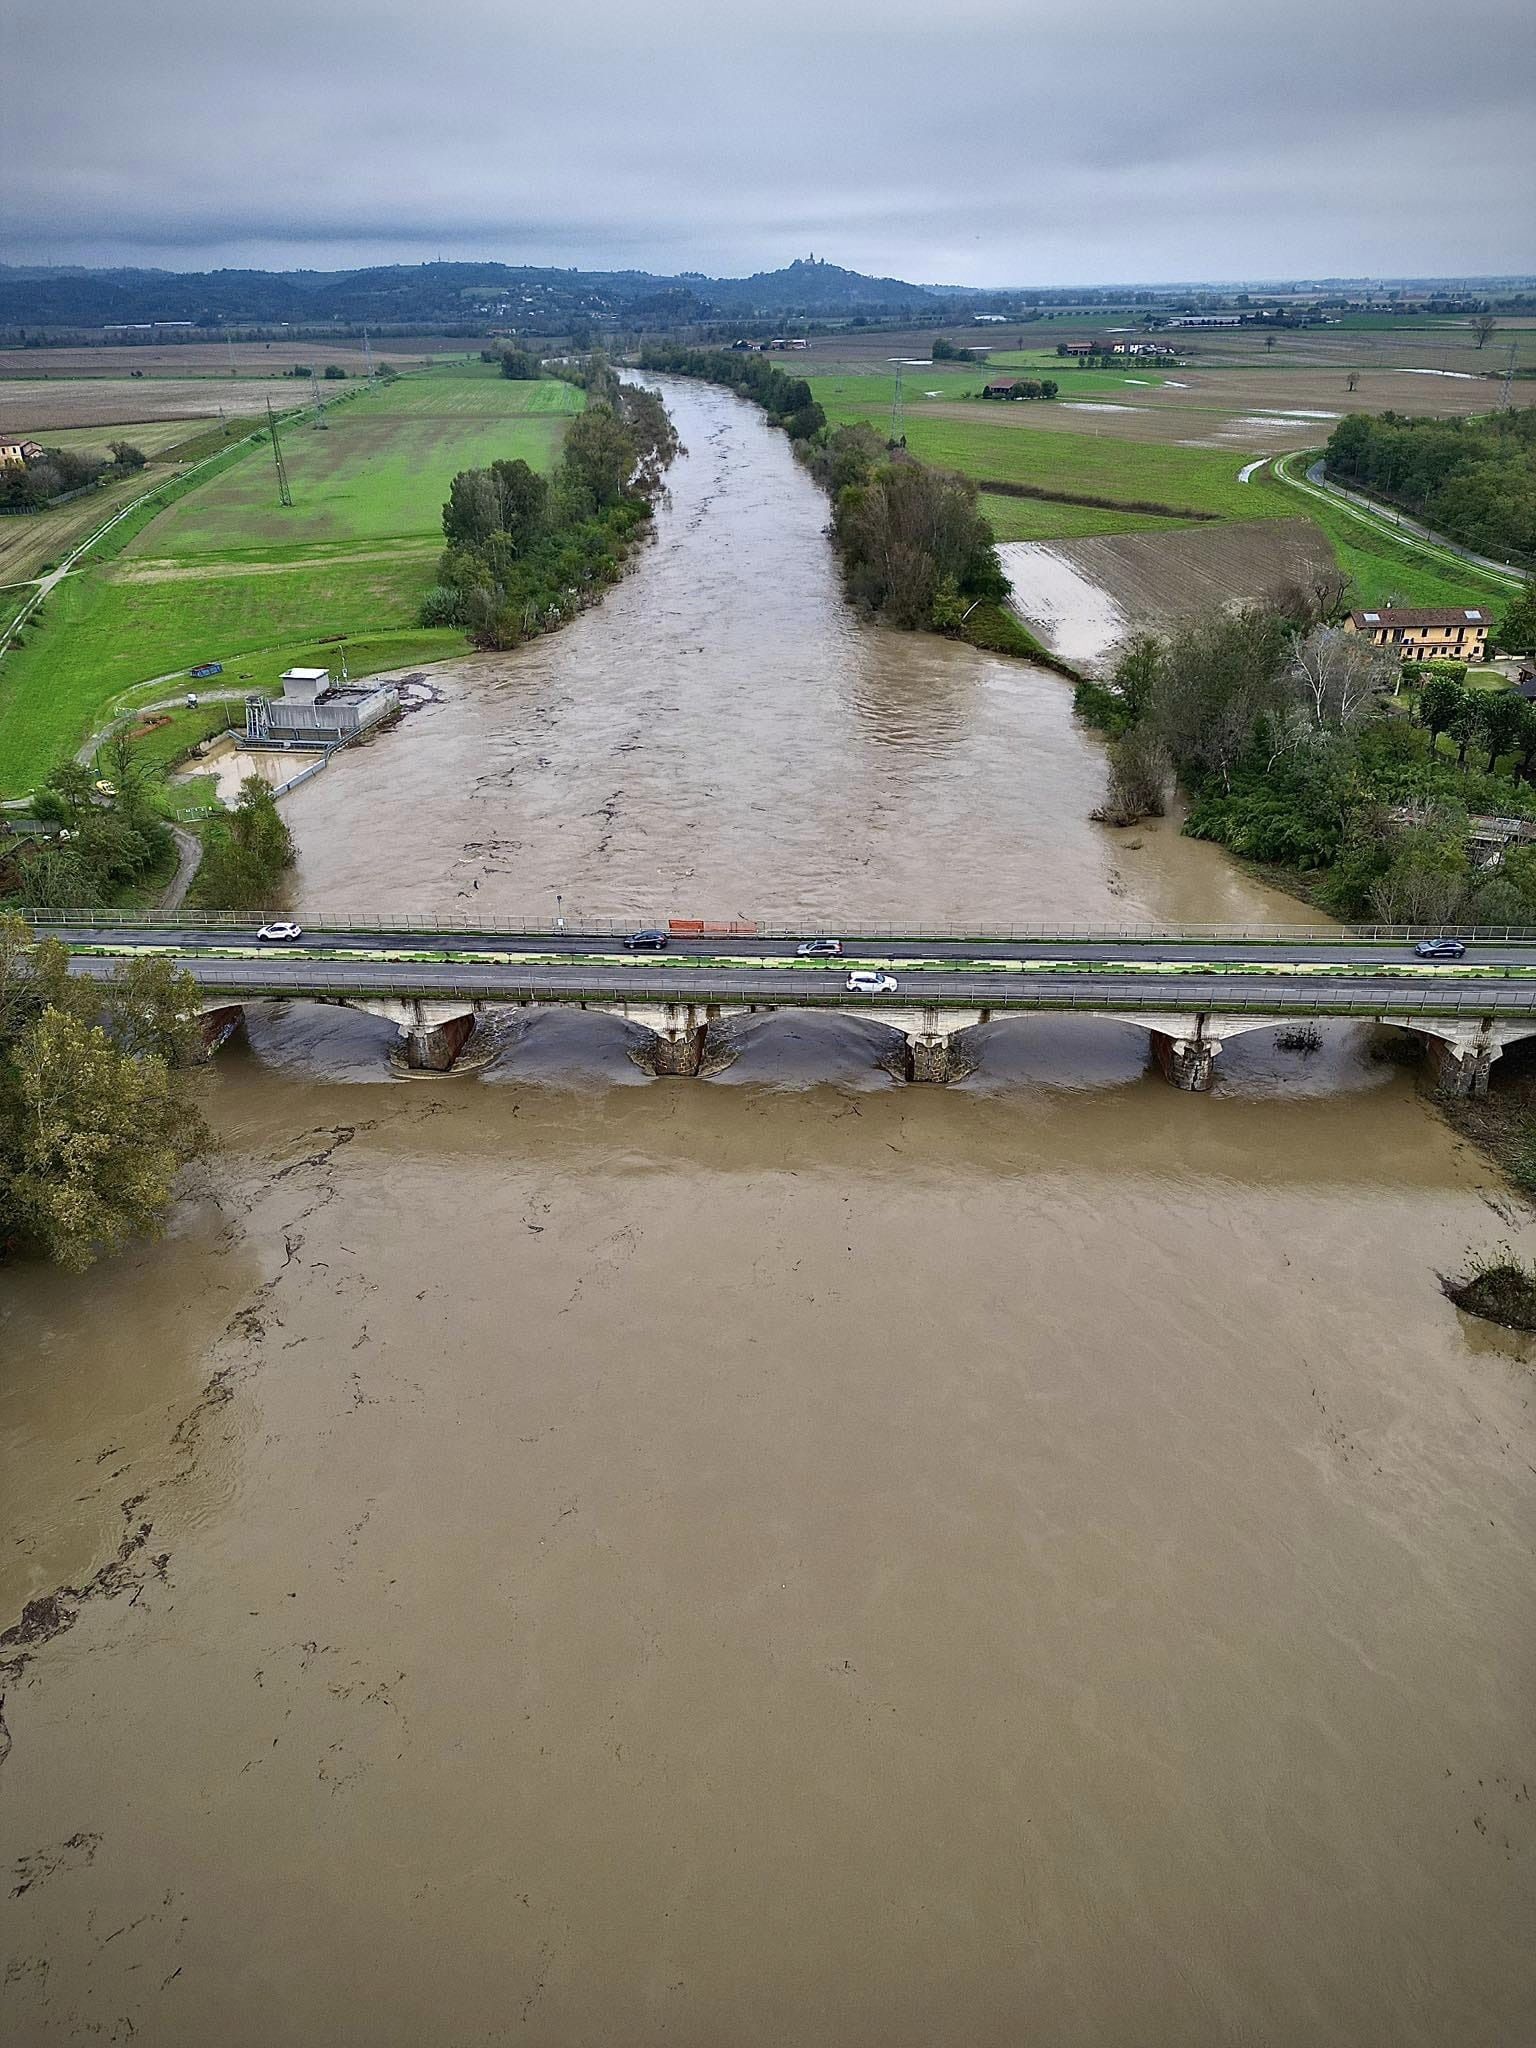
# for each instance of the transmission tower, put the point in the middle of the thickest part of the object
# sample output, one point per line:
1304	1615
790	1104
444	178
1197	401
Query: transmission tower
318	404
367	353
284	495
1509	374
898	415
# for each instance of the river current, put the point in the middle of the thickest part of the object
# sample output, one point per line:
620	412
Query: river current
571	1558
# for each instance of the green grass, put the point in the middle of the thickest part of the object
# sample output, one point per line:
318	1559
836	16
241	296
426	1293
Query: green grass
1101	465
1386	567
274	589
104	634
380	469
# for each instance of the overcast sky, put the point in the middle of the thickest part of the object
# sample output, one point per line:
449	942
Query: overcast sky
972	142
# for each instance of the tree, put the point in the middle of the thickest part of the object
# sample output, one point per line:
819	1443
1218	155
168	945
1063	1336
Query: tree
1352	381
1483	327
1139	775
1337	675
1503	724
126	456
1440	702
473	511
245	853
1269	341
520	365
334	373
1427	881
93	1125
599	458
1517	628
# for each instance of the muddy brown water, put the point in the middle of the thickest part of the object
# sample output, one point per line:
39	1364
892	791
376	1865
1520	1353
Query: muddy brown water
785	1558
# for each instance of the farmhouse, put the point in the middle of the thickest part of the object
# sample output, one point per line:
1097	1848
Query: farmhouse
17	454
1008	389
1426	634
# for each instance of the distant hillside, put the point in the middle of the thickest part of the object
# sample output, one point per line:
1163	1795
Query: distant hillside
462	295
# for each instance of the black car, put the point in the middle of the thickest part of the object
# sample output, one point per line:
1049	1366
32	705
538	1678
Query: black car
647	942
1440	949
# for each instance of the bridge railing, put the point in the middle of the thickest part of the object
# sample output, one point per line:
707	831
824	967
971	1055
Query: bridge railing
410	922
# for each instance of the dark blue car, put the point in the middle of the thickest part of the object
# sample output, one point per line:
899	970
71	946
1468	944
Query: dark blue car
208	668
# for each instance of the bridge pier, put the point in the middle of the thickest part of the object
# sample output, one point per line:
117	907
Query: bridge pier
677	1034
934	1045
220	1023
432	1034
1188	1062
1461	1054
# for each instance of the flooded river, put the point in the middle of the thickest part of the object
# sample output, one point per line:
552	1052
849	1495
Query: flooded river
567	1558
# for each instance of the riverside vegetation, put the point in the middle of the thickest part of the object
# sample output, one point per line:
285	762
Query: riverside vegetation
1473	479
916	550
1297	748
524	551
95	1118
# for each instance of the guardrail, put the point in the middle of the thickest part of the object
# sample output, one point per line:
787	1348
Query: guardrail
407	923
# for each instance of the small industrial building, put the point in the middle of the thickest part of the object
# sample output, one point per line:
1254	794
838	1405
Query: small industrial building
1426	633
314	711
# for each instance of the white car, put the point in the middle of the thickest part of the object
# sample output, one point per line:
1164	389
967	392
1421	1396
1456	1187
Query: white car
280	934
861	982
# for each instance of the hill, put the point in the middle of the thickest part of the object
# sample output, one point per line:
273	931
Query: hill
462	296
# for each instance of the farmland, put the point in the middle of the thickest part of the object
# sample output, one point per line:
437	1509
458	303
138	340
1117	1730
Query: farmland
381	469
1174	436
225	574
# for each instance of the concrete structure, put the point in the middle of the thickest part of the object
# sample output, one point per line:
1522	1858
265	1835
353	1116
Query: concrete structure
1190	997
314	711
1426	633
683	1039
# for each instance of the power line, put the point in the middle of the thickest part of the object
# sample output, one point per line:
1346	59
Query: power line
284	495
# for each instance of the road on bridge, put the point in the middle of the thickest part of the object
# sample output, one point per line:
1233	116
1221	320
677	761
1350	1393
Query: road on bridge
1373	956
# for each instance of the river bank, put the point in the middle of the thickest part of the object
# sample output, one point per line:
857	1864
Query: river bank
627	1547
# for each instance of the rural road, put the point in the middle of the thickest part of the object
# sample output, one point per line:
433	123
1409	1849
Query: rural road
1317	485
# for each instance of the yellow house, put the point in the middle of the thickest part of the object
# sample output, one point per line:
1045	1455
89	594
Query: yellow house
17	454
1428	634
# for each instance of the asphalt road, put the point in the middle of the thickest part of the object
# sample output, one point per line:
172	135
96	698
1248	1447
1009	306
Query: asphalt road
1377	957
653	981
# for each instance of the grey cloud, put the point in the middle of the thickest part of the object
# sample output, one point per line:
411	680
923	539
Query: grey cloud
981	142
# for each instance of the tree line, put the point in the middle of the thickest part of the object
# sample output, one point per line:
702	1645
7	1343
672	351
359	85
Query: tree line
916	550
787	400
29	486
1473	479
524	550
1290	738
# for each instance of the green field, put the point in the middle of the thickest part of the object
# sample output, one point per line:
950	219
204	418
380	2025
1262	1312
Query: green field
381	467
224	574
1101	465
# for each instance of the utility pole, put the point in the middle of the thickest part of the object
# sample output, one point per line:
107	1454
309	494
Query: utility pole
229	343
284	495
898	415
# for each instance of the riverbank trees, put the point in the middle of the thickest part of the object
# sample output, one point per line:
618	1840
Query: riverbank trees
246	853
95	1121
1474	479
525	551
1291	751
